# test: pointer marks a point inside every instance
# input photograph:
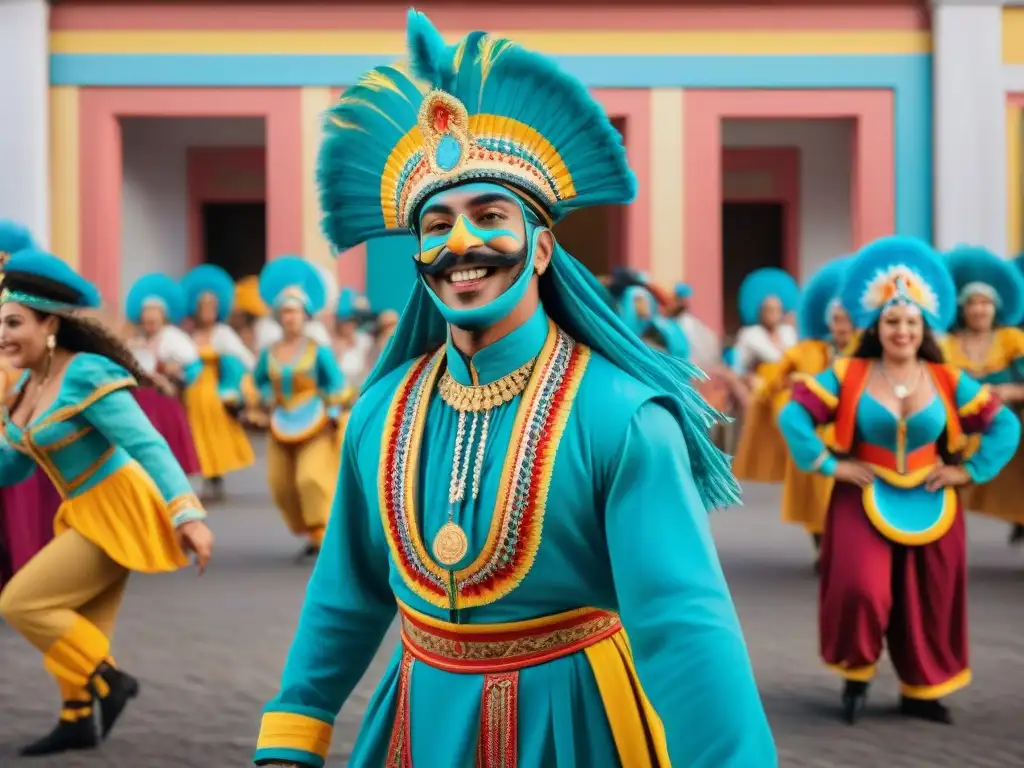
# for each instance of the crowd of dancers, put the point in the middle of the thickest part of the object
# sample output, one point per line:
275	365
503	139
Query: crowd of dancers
881	394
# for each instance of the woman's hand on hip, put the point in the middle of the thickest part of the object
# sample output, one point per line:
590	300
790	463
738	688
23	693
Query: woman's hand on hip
946	475
854	472
195	537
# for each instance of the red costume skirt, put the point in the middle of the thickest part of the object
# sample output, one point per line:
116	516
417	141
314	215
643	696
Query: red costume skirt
910	599
27	510
167	414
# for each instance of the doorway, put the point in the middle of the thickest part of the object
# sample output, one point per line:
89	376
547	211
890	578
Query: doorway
235	237
753	236
597	236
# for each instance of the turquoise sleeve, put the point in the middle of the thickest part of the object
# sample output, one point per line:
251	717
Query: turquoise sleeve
330	380
675	605
15	466
999	429
347	610
261	377
808	450
120	419
230	374
191	372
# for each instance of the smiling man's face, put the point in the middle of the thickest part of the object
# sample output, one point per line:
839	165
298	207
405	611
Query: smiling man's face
473	244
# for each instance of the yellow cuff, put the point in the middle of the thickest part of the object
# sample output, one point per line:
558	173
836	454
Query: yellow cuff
287	730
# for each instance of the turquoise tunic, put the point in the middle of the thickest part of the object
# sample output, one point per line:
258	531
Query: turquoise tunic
898	502
624	531
302	393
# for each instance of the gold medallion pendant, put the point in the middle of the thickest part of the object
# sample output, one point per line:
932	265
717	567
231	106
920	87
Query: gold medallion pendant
450	544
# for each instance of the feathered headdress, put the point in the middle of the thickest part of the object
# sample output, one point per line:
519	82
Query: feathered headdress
899	270
978	270
482	109
818	297
762	284
157	289
209	279
292	279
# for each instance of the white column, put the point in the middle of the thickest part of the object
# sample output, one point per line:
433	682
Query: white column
970	124
24	114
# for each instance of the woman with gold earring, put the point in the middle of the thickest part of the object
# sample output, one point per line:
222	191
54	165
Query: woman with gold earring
301	387
127	505
26	508
213	399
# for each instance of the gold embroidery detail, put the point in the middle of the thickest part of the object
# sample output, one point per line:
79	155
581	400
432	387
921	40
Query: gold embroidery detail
183	502
467	649
485	396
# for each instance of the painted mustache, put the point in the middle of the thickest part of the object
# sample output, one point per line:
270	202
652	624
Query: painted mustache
477	258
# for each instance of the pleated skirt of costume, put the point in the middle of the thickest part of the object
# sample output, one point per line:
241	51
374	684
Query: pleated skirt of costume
762	453
167	415
27	511
584	708
125	516
220	440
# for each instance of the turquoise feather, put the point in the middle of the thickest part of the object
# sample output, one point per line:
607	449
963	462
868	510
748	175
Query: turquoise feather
292	271
14	237
158	286
818	293
209	278
972	264
762	284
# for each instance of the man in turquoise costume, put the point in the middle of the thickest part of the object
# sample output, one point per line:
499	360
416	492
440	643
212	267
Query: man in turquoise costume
524	483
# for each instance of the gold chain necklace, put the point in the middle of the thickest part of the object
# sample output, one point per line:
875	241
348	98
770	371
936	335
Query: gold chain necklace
474	399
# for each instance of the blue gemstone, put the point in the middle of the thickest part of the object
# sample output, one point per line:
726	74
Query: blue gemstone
448	153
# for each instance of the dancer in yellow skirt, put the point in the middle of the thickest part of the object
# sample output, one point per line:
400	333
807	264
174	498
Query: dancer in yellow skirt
127	505
765	296
987	346
214	397
825	331
301	386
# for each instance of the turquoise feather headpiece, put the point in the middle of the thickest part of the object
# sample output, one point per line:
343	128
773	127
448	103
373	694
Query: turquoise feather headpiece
352	305
481	110
762	284
978	270
155	289
46	283
896	271
14	237
817	298
293	280
209	279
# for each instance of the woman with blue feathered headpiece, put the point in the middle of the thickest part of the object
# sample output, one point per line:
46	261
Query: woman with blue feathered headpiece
353	344
766	297
894	554
826	334
986	344
502	452
27	508
128	507
216	398
154	306
640	312
302	390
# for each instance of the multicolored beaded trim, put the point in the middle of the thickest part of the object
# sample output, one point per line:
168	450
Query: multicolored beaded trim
518	519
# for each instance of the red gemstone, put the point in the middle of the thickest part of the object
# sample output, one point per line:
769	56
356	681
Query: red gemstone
441	117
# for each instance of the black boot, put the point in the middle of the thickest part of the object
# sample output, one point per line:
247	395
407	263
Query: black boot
1016	535
855	698
113	690
213	492
932	710
816	538
79	733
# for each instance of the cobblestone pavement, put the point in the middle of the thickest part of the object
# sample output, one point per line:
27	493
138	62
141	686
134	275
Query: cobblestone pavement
209	653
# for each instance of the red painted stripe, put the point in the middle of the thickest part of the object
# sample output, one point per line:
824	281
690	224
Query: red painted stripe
455	16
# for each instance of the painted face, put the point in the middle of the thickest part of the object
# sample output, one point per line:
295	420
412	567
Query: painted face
474	241
206	309
841	327
292	318
771	312
901	331
979	312
152	319
23	335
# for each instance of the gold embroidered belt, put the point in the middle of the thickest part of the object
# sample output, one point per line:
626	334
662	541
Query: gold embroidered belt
487	649
498	652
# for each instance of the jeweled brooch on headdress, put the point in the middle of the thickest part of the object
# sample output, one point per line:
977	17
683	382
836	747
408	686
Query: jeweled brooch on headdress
899	284
444	122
